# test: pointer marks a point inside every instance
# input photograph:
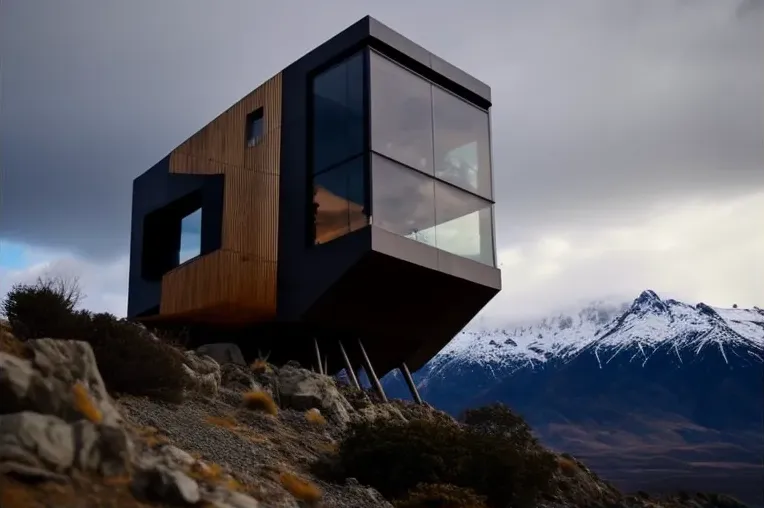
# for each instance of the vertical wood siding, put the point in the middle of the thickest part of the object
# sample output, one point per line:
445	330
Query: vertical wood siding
242	274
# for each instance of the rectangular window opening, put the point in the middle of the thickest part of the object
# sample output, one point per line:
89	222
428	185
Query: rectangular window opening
255	127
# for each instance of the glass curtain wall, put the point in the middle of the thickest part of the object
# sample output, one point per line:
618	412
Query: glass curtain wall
431	170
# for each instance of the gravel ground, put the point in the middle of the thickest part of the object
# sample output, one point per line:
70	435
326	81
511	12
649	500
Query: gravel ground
252	446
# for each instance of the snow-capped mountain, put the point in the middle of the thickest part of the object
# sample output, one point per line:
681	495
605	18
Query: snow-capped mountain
648	325
645	391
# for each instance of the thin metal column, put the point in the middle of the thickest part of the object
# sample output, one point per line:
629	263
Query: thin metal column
318	356
349	367
410	381
371	374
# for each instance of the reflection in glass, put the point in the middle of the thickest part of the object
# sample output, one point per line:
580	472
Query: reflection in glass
190	236
413	205
338	201
464	224
338	113
401	114
462	143
403	200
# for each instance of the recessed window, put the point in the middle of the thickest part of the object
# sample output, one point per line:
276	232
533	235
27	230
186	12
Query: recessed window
190	236
255	127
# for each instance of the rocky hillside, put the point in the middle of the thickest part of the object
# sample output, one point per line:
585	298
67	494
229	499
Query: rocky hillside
110	414
236	437
655	395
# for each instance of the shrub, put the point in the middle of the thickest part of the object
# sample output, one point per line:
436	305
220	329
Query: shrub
260	401
42	309
441	496
498	419
131	360
395	457
299	488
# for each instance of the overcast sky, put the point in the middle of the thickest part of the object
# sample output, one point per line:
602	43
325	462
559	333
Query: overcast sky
628	134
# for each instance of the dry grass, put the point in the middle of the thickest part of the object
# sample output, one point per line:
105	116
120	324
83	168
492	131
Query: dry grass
83	402
260	401
567	466
315	417
11	345
301	489
259	366
226	422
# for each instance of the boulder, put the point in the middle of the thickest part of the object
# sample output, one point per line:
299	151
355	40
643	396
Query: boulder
203	373
302	389
223	353
45	383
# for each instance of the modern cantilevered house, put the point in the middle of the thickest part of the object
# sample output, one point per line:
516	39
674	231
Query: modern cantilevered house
347	201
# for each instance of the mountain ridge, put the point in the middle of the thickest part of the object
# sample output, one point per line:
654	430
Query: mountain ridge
655	394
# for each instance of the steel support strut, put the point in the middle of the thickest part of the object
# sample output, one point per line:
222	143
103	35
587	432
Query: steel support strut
318	356
371	374
349	367
410	381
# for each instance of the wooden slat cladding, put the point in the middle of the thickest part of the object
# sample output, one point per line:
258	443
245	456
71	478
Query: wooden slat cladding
219	279
242	274
250	213
222	142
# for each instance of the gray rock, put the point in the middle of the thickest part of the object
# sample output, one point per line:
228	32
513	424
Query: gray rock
302	389
223	353
221	498
203	373
103	449
31	473
178	456
164	484
36	440
44	384
238	378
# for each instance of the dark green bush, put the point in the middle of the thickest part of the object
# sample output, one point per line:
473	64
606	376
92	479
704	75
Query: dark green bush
129	358
395	457
441	496
498	419
42	309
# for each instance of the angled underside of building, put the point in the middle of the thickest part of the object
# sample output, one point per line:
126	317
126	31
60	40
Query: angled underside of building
348	197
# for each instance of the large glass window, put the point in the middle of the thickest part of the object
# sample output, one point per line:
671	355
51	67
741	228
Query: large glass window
190	236
464	224
410	204
339	195
338	113
403	201
401	114
462	147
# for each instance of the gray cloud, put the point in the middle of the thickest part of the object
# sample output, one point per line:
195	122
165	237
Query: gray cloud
603	109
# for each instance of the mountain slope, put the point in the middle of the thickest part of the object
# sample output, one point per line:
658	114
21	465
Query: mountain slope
655	395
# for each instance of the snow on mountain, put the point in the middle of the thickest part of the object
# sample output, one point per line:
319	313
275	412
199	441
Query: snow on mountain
648	325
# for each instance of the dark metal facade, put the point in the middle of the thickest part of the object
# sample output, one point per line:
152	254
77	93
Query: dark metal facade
404	298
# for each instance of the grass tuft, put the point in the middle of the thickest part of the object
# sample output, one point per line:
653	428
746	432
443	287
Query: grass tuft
260	401
301	489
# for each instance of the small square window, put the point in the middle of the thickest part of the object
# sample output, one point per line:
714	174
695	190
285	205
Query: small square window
255	127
